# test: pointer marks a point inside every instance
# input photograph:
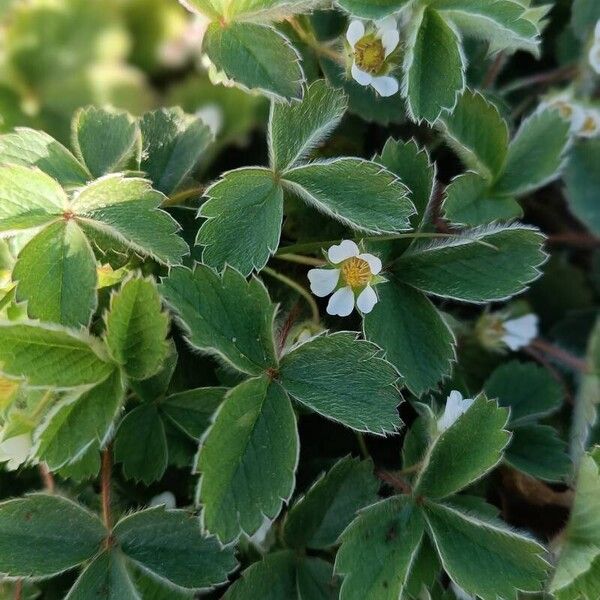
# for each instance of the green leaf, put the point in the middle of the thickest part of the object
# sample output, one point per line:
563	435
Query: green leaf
79	422
434	67
528	390
173	143
226	316
344	379
464	452
424	570
127	209
471	550
50	356
141	445
464	269
538	451
535	155
31	148
248	459
378	550
151	588
257	57
56	275
371	9
169	544
250	9
344	189
28	198
136	328
319	517
296	129
191	411
584	16
249	195
105	578
104	140
464	127
34	541
408	327
149	390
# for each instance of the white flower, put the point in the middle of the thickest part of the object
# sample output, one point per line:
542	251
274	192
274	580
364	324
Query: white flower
212	116
371	50
568	110
456	406
519	332
594	56
166	499
590	127
15	450
352	278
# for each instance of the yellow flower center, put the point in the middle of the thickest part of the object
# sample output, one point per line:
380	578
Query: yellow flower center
565	109
369	54
589	125
356	272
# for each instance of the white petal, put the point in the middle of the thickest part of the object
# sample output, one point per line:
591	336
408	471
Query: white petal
211	115
520	332
594	57
166	499
15	450
456	406
323	281
386	24
591	124
374	262
577	118
345	249
366	300
360	76
385	86
341	303
597	31
356	30
390	40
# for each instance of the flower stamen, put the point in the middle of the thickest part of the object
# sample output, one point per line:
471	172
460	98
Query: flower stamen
356	272
369	54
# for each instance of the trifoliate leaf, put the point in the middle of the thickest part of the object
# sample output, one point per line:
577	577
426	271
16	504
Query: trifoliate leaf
136	328
296	129
536	153
465	269
407	326
50	356
344	189
471	549
127	209
257	57
31	148
464	452
378	550
56	275
433	66
319	517
371	9
104	140
172	144
249	195
169	544
344	379
226	316
79	421
36	540
141	444
248	459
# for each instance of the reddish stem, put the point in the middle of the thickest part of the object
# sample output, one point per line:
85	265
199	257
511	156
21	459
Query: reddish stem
561	355
105	486
19	589
47	478
395	481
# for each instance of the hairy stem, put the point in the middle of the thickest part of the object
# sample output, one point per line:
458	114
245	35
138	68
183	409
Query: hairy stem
19	589
314	309
47	478
562	356
105	486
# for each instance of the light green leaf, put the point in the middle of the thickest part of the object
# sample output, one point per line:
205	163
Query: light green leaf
344	379
141	445
257	57
371	9
105	140
249	195
464	452
172	144
319	517
296	129
248	459
408	327
31	148
471	550
78	422
136	328
478	133
151	588
105	578
344	189
464	269
169	544
378	550
56	275
434	67
127	209
226	316
49	356
250	9
34	541
584	16
535	155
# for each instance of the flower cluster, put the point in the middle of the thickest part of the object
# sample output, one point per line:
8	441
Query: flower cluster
456	406
584	120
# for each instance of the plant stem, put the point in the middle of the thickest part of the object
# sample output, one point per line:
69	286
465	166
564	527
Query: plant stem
395	481
561	74
316	317
105	486
314	44
301	260
362	444
47	478
494	70
184	195
581	240
19	589
561	355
